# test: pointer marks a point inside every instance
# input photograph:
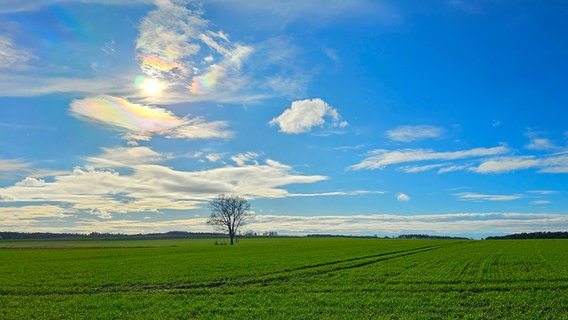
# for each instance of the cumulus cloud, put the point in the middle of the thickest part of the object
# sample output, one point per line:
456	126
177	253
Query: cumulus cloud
31	182
303	115
414	133
140	122
381	158
402	197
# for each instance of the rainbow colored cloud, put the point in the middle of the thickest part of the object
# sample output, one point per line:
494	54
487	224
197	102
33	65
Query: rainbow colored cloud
140	122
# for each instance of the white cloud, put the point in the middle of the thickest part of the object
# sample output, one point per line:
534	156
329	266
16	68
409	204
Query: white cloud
126	157
337	193
101	213
540	144
381	158
214	157
414	133
31	182
303	115
470	196
551	163
507	164
198	128
402	197
13	57
243	158
31	212
122	180
11	165
415	169
540	202
543	192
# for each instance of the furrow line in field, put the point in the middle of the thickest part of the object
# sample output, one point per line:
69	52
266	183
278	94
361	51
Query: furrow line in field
340	265
256	279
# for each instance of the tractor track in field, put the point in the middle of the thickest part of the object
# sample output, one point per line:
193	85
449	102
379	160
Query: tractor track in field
307	271
265	279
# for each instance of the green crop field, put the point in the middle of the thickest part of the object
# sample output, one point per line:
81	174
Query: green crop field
284	278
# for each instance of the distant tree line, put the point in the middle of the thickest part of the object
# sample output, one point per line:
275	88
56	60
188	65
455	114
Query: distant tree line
427	236
532	235
326	235
106	236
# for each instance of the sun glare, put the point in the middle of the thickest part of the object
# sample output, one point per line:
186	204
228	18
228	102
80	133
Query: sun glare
152	87
149	86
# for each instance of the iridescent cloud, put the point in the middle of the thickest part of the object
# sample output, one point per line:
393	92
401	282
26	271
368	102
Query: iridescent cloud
166	43
122	114
141	122
176	45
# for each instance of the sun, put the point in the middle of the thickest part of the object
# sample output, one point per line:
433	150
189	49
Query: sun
152	87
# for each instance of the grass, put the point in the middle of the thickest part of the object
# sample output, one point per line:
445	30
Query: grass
285	278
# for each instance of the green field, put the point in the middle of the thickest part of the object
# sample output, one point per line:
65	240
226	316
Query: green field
284	278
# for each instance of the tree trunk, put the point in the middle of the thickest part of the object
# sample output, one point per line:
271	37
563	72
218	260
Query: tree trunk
231	235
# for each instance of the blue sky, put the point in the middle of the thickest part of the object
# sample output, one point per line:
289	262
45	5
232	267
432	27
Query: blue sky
358	117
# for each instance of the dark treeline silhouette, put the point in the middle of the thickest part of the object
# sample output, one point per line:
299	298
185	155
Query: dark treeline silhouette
532	235
325	235
427	236
106	236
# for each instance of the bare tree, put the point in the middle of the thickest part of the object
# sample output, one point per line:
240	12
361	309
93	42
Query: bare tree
228	213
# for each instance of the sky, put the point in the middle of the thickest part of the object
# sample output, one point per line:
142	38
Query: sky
357	117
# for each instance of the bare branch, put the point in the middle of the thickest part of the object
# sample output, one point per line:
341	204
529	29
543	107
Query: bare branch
228	213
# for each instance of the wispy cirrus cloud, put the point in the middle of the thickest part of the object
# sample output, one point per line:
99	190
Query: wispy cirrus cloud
495	160
12	56
471	196
140	122
381	158
414	133
11	165
549	163
303	115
